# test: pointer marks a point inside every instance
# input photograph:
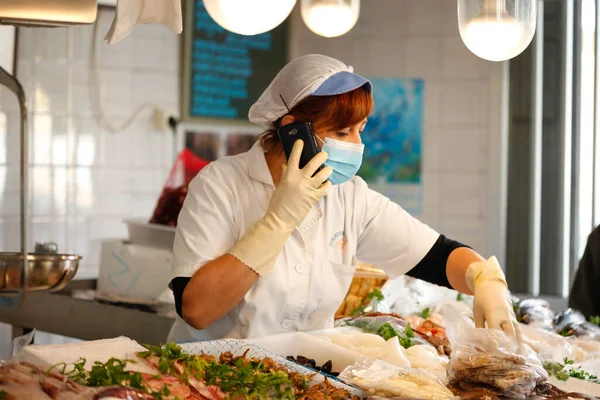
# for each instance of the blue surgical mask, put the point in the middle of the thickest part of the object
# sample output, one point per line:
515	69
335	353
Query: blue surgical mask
345	159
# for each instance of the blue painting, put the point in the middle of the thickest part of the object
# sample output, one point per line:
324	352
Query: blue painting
393	136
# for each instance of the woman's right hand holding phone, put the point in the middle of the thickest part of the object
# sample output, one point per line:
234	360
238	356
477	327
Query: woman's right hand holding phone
298	191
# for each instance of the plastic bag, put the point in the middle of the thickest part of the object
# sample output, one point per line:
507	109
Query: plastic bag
175	188
21	341
548	345
378	378
490	357
410	296
373	324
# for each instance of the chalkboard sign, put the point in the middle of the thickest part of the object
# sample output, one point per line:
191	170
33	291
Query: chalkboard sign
224	73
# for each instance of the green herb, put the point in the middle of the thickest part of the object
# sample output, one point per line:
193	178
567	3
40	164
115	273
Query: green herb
360	323
559	372
250	380
425	313
566	332
169	355
245	378
373	294
387	332
110	373
3	395
409	331
459	297
77	372
595	319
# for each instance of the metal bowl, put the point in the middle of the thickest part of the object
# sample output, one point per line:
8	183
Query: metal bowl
46	271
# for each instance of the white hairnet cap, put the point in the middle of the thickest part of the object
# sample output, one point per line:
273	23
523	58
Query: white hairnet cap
310	75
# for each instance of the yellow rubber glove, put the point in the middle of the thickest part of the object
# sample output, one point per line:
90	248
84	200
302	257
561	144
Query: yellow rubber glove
297	193
492	306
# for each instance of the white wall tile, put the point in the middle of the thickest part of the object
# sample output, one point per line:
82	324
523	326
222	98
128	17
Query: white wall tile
431	198
144	205
461	195
469	232
386	58
9	178
149	54
50	88
26	41
116	92
460	63
41	190
83	95
10	231
81	45
422	58
432	102
155	88
423	8
465	102
116	148
50	44
88	142
464	149
431	24
432	148
147	181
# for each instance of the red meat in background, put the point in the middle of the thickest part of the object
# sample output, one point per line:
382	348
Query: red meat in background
175	189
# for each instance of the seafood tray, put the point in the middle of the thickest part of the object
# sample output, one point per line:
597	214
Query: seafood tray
239	347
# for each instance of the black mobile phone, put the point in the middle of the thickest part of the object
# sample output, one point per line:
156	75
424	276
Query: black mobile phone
288	134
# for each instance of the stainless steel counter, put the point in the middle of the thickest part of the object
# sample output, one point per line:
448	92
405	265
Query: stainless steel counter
61	314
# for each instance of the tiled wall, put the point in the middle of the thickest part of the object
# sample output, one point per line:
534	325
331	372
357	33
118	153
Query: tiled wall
85	179
420	39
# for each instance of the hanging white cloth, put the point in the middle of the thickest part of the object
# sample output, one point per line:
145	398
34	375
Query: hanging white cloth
135	12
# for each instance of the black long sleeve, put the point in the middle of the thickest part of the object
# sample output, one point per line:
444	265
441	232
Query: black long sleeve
585	295
178	286
432	268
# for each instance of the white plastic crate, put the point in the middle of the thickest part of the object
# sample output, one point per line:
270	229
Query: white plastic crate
151	235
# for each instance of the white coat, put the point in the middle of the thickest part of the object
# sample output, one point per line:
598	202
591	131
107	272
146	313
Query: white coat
313	272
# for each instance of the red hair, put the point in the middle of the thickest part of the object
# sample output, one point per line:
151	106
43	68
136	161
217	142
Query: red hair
329	113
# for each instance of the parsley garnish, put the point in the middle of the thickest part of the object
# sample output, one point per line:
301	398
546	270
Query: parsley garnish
595	319
170	354
250	380
566	332
3	395
110	373
459	297
425	313
387	332
374	294
244	377
559	372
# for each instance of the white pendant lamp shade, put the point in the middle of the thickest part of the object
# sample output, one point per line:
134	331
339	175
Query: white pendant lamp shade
249	17
330	18
497	30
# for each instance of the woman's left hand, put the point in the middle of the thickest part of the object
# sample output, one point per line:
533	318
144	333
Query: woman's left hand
492	305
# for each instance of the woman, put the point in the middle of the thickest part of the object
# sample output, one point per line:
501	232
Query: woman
262	249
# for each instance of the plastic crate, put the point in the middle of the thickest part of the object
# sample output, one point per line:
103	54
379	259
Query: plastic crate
151	235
